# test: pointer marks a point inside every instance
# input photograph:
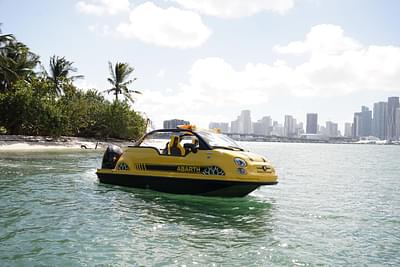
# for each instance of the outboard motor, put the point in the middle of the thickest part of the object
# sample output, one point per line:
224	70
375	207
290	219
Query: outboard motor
111	157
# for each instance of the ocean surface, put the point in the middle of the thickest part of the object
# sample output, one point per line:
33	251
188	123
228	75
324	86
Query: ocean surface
335	205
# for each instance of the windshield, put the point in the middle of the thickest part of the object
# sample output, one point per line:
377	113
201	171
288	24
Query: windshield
160	140
219	141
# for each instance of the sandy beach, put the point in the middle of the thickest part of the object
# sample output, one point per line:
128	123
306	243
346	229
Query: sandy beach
38	143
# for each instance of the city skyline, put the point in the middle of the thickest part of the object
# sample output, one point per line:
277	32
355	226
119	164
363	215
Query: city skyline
206	61
366	123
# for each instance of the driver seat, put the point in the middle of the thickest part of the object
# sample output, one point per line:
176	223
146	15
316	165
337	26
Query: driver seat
174	146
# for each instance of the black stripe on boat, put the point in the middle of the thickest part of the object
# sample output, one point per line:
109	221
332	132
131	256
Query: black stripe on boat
183	185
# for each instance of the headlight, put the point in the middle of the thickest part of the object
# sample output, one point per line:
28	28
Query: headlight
240	162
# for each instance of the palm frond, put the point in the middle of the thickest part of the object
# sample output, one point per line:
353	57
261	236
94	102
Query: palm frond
75	77
127	95
111	81
111	70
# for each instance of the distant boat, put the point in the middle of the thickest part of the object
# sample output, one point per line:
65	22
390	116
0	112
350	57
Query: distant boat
366	142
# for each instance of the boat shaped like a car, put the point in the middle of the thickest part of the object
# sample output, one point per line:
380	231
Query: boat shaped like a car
187	161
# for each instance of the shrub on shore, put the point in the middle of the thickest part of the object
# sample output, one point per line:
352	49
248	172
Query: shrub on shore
32	109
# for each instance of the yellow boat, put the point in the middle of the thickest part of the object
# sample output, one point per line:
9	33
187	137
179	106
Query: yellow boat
187	161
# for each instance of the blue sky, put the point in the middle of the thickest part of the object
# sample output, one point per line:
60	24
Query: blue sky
206	60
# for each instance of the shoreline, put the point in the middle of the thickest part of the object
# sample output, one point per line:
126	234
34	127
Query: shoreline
39	143
20	143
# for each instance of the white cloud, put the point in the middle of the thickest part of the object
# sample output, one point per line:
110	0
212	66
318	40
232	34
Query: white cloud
171	27
103	7
323	38
236	8
338	64
335	68
214	86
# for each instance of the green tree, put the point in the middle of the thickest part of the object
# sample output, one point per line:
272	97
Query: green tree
30	110
119	121
60	73
120	80
17	62
83	112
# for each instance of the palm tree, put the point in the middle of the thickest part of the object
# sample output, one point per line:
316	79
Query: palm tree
16	61
60	71
6	73
119	80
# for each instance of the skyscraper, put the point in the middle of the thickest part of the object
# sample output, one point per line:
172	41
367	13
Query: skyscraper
235	126
393	104
366	116
289	126
357	124
362	122
397	123
266	121
263	126
379	122
312	123
331	129
245	122
348	131
242	124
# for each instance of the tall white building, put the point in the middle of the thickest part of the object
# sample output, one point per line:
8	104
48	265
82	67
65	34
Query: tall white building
235	126
348	129
263	126
331	129
245	125
290	126
393	104
397	123
242	124
379	121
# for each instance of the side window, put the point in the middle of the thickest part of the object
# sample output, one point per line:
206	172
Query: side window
158	140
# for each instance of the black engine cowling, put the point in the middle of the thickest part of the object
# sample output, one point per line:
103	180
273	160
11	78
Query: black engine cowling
111	157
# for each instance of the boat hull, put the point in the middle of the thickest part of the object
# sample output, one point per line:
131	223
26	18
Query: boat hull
182	185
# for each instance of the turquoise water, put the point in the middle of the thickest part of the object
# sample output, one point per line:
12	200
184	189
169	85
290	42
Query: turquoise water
335	205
